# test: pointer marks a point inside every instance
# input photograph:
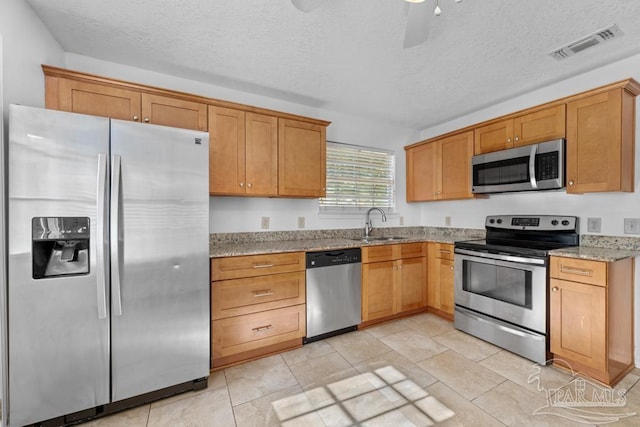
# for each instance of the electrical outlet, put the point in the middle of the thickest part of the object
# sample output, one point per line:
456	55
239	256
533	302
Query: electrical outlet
594	225
300	222
632	226
447	221
401	220
265	223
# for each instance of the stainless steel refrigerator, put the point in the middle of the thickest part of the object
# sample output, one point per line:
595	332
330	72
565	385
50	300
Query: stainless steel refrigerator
108	277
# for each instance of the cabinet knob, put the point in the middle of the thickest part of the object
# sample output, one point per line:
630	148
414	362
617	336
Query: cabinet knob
571	182
508	139
249	185
555	289
135	118
241	184
451	268
146	119
517	138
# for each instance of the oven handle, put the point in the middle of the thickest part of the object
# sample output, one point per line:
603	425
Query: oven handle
501	327
501	257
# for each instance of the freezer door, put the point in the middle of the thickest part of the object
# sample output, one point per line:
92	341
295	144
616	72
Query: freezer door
159	257
57	318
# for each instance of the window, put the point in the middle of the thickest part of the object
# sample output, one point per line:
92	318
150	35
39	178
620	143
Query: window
359	178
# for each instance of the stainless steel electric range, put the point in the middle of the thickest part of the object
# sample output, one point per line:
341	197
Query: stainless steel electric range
501	283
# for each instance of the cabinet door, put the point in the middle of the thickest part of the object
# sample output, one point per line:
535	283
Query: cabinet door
175	112
578	322
413	283
302	150
445	275
95	99
421	173
599	153
378	290
493	137
540	126
261	154
226	151
433	276
454	176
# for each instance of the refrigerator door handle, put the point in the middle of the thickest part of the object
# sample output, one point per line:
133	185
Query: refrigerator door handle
101	270
116	182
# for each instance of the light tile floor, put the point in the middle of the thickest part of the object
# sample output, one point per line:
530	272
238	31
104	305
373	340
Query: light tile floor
417	371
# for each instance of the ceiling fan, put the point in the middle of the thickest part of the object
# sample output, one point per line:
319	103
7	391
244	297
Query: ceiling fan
417	29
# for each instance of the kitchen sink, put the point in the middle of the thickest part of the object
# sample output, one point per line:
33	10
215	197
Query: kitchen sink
379	239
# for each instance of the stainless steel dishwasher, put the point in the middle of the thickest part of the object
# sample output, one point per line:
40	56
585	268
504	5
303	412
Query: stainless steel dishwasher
333	292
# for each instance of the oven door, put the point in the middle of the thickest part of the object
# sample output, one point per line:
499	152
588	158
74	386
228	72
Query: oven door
510	288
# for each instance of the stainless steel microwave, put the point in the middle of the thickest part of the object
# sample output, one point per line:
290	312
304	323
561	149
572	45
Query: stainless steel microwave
528	168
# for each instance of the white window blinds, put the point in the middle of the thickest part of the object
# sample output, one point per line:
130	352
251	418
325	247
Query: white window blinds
358	178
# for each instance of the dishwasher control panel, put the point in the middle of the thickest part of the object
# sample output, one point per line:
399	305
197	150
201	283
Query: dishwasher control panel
335	257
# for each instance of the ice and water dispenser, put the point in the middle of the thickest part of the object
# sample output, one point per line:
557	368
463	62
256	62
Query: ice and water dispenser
60	246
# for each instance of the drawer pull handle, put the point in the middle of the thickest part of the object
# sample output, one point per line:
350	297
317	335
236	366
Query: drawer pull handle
262	293
262	328
262	265
578	271
445	251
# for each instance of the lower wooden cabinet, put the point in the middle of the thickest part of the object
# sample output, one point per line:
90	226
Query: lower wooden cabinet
440	287
393	280
257	306
591	317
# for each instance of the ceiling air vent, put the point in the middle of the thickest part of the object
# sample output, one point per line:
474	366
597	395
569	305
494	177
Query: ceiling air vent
585	42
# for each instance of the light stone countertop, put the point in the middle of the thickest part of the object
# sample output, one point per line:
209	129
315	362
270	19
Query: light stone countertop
594	253
233	247
593	247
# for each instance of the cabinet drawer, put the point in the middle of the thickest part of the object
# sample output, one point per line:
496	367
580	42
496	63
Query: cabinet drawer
442	250
412	250
379	253
242	296
579	270
249	332
256	265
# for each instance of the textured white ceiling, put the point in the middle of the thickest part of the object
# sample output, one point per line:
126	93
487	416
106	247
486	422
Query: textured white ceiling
347	55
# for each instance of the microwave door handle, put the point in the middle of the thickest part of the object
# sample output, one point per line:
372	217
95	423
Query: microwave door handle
532	166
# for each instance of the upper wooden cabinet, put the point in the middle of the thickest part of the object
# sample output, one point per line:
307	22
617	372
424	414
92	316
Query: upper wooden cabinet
440	169
600	142
531	128
302	151
252	151
74	94
243	153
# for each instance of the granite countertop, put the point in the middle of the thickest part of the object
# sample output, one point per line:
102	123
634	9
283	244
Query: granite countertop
241	245
592	247
595	253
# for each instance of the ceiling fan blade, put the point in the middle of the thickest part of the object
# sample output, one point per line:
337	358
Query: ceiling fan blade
417	28
307	5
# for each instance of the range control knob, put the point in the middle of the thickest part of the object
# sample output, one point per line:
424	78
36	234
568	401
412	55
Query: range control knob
565	222
554	222
499	221
492	220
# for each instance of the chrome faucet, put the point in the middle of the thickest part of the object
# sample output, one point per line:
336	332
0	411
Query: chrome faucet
368	226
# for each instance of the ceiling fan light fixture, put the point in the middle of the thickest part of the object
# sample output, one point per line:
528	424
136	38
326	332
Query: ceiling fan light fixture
437	11
414	1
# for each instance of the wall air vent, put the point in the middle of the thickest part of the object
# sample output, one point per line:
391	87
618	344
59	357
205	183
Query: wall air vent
585	42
